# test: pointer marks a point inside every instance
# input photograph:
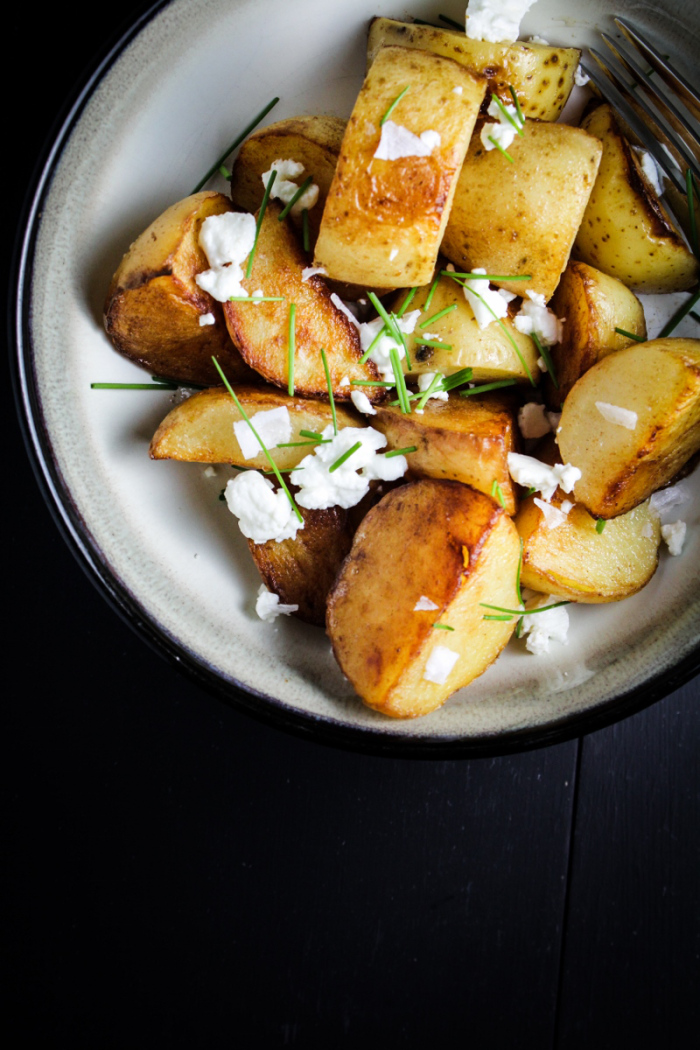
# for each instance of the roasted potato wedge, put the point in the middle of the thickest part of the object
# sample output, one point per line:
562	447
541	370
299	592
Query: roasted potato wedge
153	305
620	467
384	219
626	231
577	562
541	75
594	305
200	430
462	439
261	330
458	548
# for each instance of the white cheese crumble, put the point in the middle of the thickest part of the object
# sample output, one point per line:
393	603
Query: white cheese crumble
362	403
531	473
439	664
538	40
504	130
381	354
673	536
311	271
424	604
665	499
553	516
650	169
227	241
397	142
206	319
424	381
263	513
268	605
344	309
283	188
344	381
273	426
209	472
621	417
535	317
496	20
580	78
533	420
347	484
545	627
486	303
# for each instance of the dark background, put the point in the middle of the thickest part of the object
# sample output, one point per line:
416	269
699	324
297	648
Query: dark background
179	875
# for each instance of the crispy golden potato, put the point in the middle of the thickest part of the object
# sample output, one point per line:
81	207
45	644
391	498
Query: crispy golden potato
593	305
384	219
261	330
522	218
542	75
200	430
660	382
626	231
153	305
489	352
463	439
458	548
575	561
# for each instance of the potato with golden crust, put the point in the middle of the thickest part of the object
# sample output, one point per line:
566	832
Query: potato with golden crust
384	218
522	218
631	423
541	75
261	330
593	305
154	305
463	439
458	549
578	562
626	231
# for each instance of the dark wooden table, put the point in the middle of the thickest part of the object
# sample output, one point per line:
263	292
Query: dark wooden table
179	875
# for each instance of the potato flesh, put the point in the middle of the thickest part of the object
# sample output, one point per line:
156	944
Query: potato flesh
660	381
541	75
384	219
522	218
458	549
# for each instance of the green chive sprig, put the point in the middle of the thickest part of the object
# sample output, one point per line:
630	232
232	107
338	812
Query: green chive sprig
400	451
438	315
546	357
518	110
400	381
435	343
330	390
261	216
631	335
442	627
235	144
487	276
679	315
133	386
484	388
406	303
500	149
431	293
393	106
521	612
223	170
434	386
345	456
599	525
290	204
511	119
497	493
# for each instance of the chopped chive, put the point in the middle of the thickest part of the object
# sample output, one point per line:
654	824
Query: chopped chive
393	106
500	149
133	386
298	444
261	216
517	575
679	315
431	293
513	343
400	381
546	357
311	434
235	144
600	525
330	390
696	317
256	298
506	114
345	456
434	342
305	229
269	458
507	619
372	345
523	612
400	451
406	303
531	491
518	110
223	170
438	315
689	189
435	384
497	492
485	387
457	379
631	335
451	22
488	276
389	324
370	382
442	627
290	204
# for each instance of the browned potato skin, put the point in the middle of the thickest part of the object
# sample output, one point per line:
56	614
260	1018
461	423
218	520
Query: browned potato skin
200	429
522	218
660	380
541	75
375	207
626	232
574	561
462	439
459	548
593	305
153	305
261	332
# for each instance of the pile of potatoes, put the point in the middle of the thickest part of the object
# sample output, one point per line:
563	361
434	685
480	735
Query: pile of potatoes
573	211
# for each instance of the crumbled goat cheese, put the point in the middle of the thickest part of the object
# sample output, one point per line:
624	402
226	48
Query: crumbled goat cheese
535	317
531	473
545	627
665	499
344	309
348	483
554	420
533	420
397	142
674	536
580	78
538	40
496	20
553	516
227	240
205	319
273	426
439	664
209	472
424	604
263	513
504	130
487	305
344	381
457	90
541	364
621	417
424	381
650	170
268	605
381	354
258	295
362	403
311	271
284	188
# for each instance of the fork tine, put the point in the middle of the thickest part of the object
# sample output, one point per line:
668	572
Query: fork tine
668	73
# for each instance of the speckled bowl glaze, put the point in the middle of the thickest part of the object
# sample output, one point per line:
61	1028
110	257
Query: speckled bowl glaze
155	537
